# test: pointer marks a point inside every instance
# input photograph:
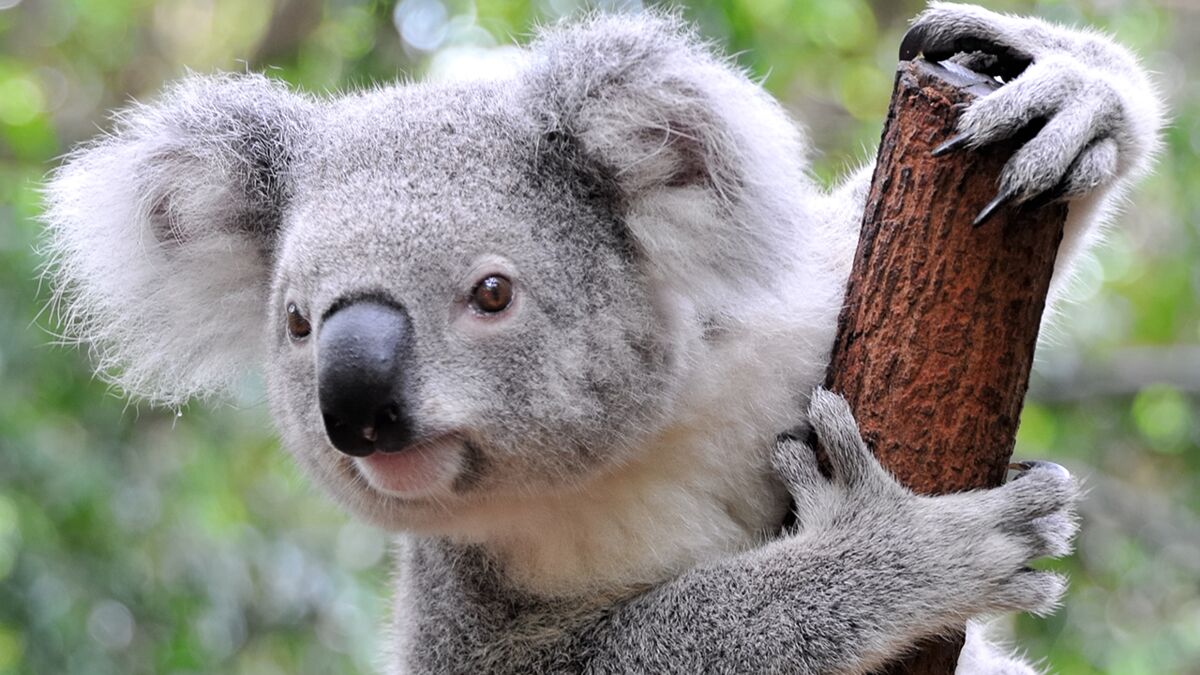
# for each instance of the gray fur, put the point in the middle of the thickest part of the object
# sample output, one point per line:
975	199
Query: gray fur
600	490
871	569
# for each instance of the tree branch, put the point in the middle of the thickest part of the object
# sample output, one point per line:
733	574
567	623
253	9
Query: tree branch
936	339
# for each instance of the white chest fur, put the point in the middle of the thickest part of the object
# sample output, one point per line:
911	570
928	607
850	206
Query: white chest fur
700	489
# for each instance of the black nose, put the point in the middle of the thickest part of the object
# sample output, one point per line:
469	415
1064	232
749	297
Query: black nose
363	349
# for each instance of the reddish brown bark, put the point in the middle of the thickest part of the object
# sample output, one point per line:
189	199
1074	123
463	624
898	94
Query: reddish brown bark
936	339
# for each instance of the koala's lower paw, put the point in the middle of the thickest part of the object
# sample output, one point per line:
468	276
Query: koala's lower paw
1036	512
856	474
972	550
1088	112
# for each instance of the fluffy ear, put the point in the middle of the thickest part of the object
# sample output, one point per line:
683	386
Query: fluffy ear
701	154
161	234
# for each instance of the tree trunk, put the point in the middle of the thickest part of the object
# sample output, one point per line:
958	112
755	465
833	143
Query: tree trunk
936	338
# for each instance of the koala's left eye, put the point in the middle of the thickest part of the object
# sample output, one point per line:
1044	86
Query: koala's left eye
492	295
298	327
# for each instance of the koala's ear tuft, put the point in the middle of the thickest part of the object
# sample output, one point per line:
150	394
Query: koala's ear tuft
696	150
161	234
645	99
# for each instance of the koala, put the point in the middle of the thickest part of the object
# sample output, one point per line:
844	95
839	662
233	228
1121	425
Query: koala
553	329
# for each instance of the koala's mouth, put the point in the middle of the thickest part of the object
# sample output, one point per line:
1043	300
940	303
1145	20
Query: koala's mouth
425	468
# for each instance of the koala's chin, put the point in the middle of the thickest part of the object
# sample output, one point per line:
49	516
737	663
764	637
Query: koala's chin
403	491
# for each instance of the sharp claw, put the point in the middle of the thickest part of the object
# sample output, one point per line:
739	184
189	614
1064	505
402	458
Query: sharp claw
912	43
1039	464
1001	199
954	143
1048	466
1009	62
1049	196
1019	468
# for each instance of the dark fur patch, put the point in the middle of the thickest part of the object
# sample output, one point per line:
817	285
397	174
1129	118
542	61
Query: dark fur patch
475	468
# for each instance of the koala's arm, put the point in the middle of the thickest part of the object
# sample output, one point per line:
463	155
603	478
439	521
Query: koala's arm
1102	117
872	569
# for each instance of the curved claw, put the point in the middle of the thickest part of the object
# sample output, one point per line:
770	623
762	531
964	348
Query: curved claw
1006	196
1007	63
1001	199
1040	464
913	42
1049	196
954	143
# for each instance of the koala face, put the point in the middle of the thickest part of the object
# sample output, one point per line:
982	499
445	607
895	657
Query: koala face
460	293
526	351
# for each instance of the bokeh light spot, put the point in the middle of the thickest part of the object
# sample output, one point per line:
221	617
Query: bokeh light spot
1162	415
422	23
21	101
111	625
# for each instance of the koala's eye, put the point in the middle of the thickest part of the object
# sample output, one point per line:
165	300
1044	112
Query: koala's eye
298	327
493	294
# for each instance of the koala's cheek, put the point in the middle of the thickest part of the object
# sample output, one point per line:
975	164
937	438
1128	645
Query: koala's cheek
304	442
446	403
292	395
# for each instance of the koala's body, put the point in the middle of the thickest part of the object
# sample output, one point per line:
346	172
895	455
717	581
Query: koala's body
551	327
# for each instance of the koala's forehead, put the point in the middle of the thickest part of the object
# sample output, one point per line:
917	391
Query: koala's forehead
415	183
419	137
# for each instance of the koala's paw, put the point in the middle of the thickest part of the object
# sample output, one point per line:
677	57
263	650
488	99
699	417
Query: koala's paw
1088	109
971	549
1030	517
856	478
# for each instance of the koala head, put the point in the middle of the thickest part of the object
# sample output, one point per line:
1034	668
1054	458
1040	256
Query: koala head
457	292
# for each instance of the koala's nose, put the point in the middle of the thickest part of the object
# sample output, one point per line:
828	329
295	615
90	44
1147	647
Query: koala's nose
362	351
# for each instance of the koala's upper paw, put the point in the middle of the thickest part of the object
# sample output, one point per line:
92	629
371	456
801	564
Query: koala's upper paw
1076	149
972	549
948	30
1089	112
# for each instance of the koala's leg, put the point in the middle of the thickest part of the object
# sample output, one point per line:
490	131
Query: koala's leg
981	657
872	569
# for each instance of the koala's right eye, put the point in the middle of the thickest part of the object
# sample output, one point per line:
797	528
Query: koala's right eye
298	326
492	295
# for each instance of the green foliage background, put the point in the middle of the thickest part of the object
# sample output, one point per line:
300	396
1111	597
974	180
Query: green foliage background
136	540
